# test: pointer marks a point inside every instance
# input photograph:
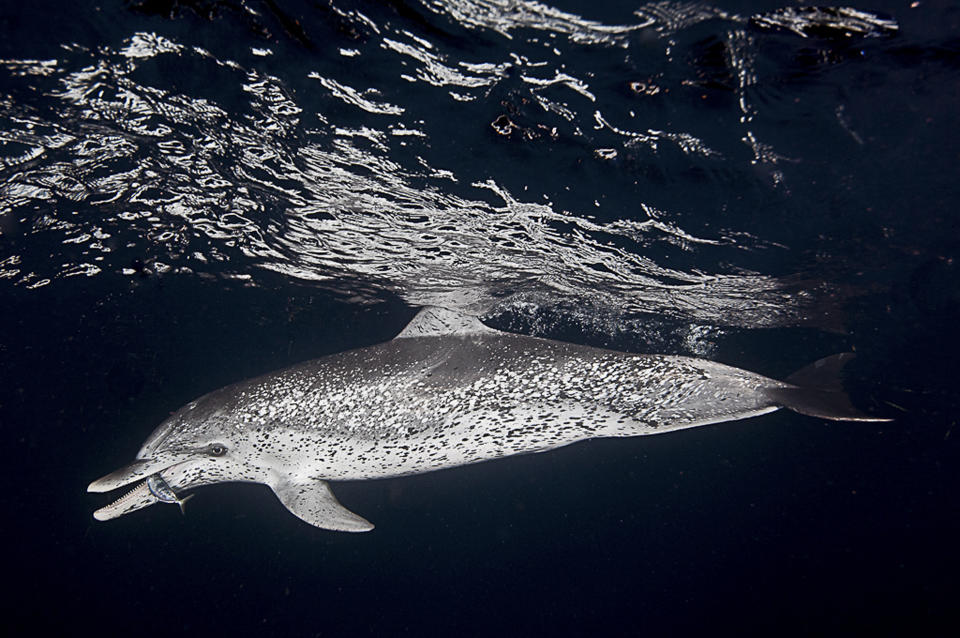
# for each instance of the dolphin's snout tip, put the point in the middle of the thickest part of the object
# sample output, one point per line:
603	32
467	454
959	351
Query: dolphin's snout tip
98	486
110	482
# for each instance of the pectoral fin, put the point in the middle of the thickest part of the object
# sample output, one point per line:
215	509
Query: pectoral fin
313	501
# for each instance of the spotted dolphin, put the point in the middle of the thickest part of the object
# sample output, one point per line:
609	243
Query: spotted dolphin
447	391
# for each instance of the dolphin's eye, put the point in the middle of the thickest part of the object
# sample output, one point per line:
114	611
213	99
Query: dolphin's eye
217	450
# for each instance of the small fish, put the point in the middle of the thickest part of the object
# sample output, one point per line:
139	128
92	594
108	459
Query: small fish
159	488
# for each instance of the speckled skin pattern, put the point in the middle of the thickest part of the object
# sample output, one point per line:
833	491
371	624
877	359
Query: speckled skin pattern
415	405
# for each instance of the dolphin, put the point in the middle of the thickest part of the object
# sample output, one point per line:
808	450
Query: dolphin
446	391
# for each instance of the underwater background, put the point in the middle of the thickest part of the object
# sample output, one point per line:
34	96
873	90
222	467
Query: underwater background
197	192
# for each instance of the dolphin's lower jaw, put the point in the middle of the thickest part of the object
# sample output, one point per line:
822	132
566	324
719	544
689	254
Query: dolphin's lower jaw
137	498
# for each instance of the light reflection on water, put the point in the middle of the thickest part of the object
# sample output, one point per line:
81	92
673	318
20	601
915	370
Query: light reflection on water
347	167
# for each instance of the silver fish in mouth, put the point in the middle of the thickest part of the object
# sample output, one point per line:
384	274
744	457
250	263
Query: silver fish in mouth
447	391
164	493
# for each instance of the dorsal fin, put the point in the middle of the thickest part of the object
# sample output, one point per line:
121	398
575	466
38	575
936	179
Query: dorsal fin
433	321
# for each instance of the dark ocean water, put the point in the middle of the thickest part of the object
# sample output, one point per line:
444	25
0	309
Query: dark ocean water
193	193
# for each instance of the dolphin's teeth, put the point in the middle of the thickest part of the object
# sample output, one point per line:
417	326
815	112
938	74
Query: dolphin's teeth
137	498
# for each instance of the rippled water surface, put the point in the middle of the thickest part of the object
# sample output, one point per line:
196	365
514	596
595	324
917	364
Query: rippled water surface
192	192
473	155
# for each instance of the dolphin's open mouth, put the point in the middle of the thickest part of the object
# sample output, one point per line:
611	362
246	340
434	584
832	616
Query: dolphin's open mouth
140	496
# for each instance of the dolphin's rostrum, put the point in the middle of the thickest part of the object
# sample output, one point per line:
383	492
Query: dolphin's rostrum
446	391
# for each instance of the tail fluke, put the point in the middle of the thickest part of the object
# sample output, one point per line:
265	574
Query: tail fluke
817	391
